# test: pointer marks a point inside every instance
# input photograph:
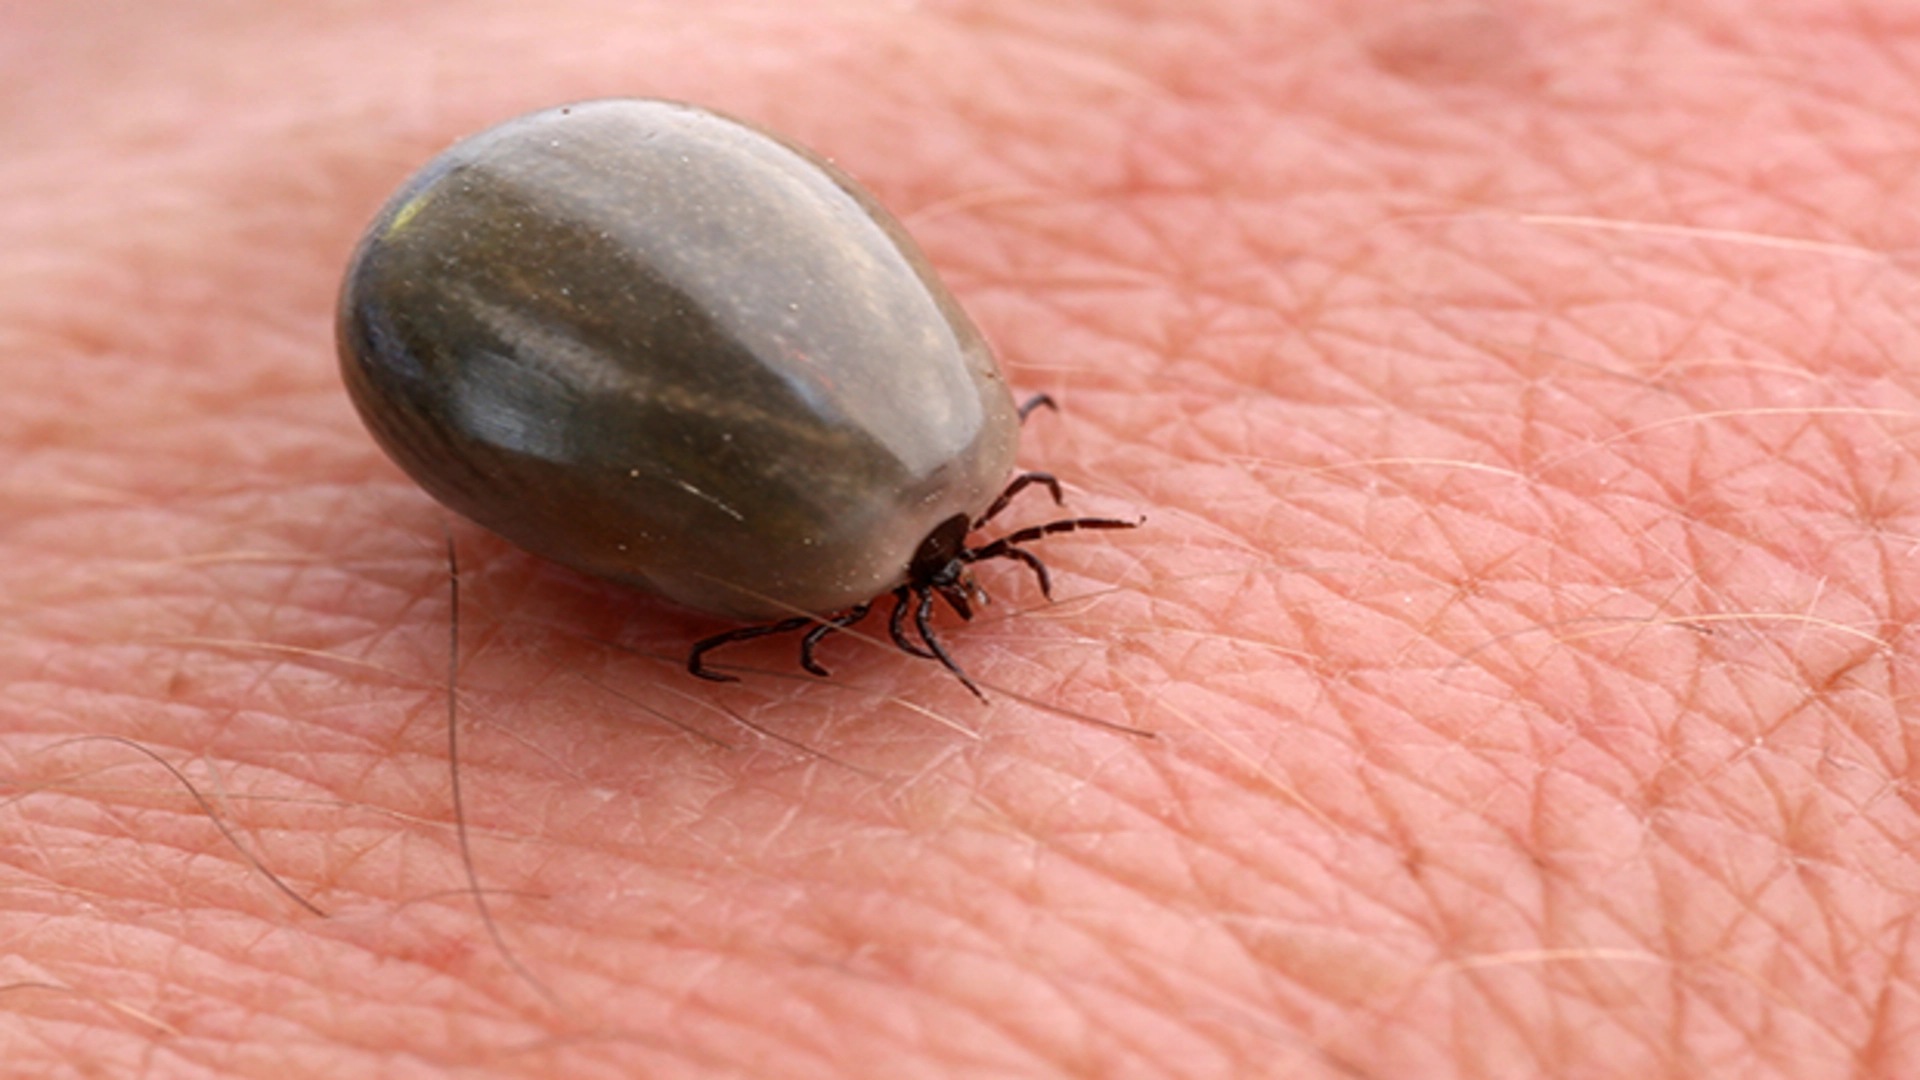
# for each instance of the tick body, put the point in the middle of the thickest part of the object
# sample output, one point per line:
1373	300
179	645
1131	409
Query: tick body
666	348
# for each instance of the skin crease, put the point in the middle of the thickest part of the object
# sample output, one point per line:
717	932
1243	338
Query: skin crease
1525	604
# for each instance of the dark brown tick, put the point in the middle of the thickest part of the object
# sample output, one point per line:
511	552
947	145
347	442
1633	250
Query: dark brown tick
667	348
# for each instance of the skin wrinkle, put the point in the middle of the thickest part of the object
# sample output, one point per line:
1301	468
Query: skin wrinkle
864	1023
1155	986
986	939
1019	1027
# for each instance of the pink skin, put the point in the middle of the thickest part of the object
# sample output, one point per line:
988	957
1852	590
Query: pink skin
1524	607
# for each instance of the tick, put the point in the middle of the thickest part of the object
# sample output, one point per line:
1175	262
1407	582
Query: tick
667	348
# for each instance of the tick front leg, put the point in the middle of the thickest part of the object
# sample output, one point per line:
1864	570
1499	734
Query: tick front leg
923	622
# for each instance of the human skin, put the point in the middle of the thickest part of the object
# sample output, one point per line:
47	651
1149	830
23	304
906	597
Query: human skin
1519	397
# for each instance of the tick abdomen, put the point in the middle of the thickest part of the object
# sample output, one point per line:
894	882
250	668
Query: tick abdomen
666	348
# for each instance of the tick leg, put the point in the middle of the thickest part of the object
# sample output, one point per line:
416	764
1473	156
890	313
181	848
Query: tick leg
814	636
1022	555
897	625
923	622
999	548
1035	402
1020	484
745	633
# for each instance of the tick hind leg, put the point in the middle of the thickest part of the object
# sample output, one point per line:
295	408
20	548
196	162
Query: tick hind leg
918	601
697	666
696	663
814	636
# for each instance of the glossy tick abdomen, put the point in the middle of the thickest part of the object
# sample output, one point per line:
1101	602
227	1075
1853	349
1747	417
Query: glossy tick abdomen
669	349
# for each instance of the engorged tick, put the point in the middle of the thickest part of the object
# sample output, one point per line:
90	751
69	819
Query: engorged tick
667	348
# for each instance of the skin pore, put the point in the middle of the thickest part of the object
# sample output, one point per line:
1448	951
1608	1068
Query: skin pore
1519	397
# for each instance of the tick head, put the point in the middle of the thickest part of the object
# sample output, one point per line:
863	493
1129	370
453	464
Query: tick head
939	565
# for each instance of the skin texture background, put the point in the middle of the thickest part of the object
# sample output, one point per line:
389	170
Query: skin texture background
1521	397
